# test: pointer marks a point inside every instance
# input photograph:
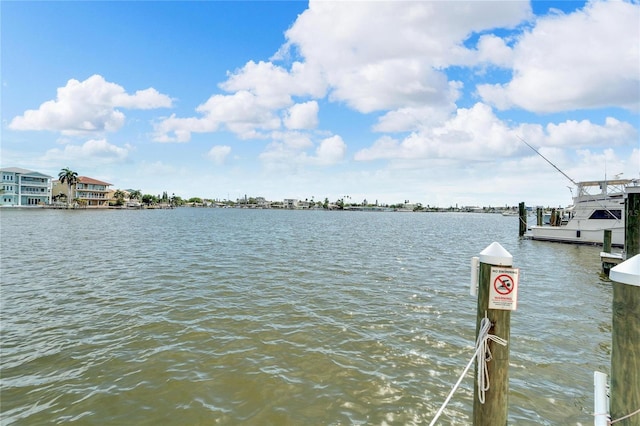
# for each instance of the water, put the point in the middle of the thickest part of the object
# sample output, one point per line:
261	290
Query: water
243	317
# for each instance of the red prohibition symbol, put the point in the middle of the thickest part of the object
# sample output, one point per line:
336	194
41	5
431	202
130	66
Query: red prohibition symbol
503	284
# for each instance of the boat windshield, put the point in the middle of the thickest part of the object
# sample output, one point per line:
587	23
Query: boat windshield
606	214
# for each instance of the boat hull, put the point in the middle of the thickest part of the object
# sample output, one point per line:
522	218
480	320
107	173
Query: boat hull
563	234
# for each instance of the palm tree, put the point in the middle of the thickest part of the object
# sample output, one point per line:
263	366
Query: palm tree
119	196
71	178
135	194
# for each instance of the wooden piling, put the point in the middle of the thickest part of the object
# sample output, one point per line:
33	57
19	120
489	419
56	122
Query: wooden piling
625	348
522	214
632	222
539	216
606	241
608	259
495	408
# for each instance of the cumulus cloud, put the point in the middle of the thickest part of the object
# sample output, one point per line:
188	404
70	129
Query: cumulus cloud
494	50
242	113
387	55
291	152
331	151
371	56
591	165
259	92
471	133
478	134
269	81
302	116
219	153
95	151
87	107
587	59
417	117
585	133
293	140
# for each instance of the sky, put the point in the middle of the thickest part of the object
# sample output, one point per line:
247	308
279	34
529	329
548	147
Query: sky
385	101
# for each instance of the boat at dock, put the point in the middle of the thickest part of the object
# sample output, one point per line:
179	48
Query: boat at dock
597	206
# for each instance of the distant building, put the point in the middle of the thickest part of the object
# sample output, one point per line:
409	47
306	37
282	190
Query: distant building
87	191
21	187
290	203
263	203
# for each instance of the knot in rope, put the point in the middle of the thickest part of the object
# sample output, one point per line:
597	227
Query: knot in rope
483	355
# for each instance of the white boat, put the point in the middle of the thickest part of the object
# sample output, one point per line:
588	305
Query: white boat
597	205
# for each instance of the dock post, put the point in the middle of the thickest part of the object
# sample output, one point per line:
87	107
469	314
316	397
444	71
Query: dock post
632	221
608	259
625	348
539	216
495	265
606	241
522	214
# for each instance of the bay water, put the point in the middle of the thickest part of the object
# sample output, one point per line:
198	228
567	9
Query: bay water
267	317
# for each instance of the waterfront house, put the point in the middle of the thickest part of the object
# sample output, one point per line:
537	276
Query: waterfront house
290	203
263	203
87	191
21	187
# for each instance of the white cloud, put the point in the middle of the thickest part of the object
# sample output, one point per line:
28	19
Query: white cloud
259	92
472	133
274	83
592	165
494	50
289	152
242	113
94	151
219	153
302	116
87	107
587	59
417	117
373	56
387	55
143	99
477	134
585	133
298	141
331	151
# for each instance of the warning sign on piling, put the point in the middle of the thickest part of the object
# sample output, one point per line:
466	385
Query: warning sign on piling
503	288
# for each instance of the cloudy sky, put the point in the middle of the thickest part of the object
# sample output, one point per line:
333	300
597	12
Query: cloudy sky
425	101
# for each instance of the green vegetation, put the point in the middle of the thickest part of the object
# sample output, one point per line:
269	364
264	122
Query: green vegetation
135	194
119	195
71	178
163	200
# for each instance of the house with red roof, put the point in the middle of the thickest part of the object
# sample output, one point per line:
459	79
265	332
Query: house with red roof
87	191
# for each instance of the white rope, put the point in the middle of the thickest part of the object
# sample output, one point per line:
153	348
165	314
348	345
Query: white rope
483	355
610	422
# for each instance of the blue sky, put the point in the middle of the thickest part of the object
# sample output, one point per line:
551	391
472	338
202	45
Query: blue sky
385	101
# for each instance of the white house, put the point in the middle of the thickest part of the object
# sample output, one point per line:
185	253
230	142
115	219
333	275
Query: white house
21	187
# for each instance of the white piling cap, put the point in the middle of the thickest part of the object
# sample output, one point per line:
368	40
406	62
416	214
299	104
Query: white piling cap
495	254
628	272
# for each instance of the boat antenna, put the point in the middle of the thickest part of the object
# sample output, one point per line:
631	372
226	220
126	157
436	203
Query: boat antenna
547	160
572	181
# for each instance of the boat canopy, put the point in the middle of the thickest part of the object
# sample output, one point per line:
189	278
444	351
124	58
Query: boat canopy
607	188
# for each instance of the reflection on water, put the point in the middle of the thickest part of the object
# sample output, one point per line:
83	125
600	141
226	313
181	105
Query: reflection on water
230	316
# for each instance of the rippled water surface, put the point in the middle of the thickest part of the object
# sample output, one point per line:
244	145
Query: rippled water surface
244	317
